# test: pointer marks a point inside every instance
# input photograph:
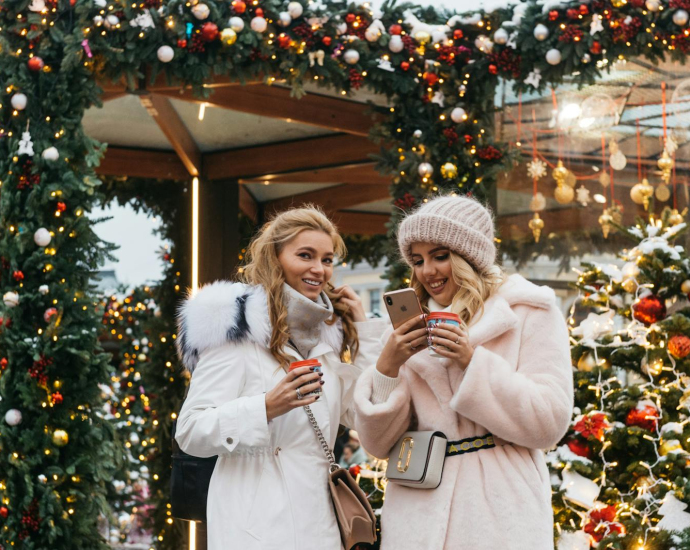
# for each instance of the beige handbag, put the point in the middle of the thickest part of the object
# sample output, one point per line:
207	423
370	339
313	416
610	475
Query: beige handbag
356	519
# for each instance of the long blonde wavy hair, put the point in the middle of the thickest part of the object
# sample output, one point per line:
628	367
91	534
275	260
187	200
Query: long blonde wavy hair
263	268
474	288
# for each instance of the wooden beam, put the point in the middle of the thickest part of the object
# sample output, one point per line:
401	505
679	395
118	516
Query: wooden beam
332	199
248	205
352	173
360	223
139	163
165	115
270	101
161	84
289	156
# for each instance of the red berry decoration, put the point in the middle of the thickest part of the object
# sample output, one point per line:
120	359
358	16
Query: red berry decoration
209	31
56	398
644	417
649	309
405	65
395	29
182	43
326	40
679	346
580	448
284	41
4	512
355	469
458	34
35	64
350	18
572	13
431	78
493	69
239	6
553	15
595	47
18	276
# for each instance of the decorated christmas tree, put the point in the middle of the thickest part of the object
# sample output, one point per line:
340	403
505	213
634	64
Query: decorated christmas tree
621	475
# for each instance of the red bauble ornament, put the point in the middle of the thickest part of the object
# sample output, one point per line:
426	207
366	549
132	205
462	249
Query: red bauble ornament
595	48
649	309
431	78
326	40
584	10
355	469
572	13
405	65
350	18
679	346
61	206
4	512
56	398
395	29
239	6
580	448
18	276
553	15
209	31
35	64
284	41
458	34
3	363
493	69
645	417
259	12
182	43
636	3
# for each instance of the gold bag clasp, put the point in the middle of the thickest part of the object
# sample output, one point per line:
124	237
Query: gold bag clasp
403	445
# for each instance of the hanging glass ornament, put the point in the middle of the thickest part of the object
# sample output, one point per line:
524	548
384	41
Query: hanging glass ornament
538	203
617	159
564	194
536	224
662	193
605	221
641	193
665	164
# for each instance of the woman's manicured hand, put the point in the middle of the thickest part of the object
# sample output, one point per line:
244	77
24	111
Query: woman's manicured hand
403	343
452	342
350	298
283	398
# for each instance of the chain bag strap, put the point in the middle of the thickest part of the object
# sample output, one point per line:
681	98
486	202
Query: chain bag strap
324	444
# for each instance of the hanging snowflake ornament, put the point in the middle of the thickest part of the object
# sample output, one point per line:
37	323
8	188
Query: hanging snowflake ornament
583	195
671	146
533	78
26	146
536	169
143	21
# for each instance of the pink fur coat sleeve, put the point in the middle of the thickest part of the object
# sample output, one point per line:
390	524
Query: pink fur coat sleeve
530	405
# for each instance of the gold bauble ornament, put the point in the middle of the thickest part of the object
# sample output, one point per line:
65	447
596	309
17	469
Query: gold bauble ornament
449	171
662	193
228	37
422	37
670	446
629	285
564	194
676	217
685	286
652	368
60	438
641	193
618	3
560	173
536	224
587	362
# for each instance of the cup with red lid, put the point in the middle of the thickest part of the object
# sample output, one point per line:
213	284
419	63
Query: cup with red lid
438	317
315	364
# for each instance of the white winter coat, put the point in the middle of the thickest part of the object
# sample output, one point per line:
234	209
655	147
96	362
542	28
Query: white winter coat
269	488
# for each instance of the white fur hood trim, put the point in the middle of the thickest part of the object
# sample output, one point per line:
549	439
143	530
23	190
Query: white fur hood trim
223	312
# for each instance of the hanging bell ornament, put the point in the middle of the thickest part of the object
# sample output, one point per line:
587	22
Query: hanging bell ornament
641	193
665	164
662	193
536	224
605	220
560	173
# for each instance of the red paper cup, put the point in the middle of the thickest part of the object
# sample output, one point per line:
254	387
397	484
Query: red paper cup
308	363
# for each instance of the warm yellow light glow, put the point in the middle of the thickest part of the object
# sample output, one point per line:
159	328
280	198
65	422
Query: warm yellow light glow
195	234
202	111
192	535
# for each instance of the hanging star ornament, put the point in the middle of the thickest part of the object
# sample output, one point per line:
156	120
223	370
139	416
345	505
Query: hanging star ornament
533	78
26	146
583	195
536	169
596	25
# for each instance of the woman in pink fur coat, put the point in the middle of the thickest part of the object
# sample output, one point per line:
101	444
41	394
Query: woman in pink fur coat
506	371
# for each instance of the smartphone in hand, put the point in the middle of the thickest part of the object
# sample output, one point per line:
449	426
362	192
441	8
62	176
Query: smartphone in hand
403	305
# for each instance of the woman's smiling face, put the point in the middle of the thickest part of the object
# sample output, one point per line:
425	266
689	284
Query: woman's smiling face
432	268
307	262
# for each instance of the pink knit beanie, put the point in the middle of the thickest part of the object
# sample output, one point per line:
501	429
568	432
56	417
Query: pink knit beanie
461	223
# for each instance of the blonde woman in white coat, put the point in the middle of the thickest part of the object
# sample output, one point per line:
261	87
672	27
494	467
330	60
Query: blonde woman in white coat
504	373
269	487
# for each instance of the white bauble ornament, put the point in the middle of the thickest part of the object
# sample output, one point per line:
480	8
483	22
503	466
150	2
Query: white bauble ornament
11	299
295	9
201	11
501	36
586	58
425	169
100	3
341	28
417	134
43	289
680	17
553	56
372	34
541	32
258	24
112	21
19	102
42	237
134	438
653	5
42	478
98	20
236	23
51	153
396	44
284	19
458	115
351	57
165	54
13	417
618	160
